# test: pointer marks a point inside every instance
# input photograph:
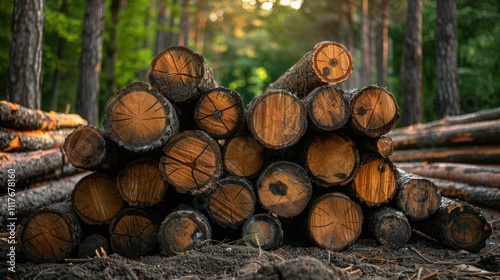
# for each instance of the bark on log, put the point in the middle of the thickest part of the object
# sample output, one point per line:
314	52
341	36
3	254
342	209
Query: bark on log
183	230
327	108
243	156
334	221
389	226
417	197
192	163
263	231
232	202
219	112
383	145
374	111
18	117
140	183
93	243
487	132
180	74
457	224
476	195
284	188
328	63
277	119
30	140
477	155
139	119
50	234
40	196
331	159
133	233
375	182
471	174
89	148
96	199
35	166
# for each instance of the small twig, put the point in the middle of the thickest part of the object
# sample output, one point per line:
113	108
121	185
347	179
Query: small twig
355	271
345	269
439	262
419	273
430	276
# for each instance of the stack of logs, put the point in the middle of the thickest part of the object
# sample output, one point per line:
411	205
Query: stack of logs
181	161
32	162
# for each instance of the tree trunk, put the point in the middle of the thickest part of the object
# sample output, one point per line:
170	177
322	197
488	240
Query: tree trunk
243	156
284	189
180	74
232	202
476	195
263	231
192	162
50	234
184	24
457	224
327	108
389	226
472	155
383	53
412	65
139	119
56	80
160	29
133	233
365	44
448	98
87	97
277	119
334	221
328	63
219	112
201	20
112	48
25	67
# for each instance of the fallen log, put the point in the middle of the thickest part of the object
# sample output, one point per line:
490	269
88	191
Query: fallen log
31	140
39	196
471	174
180	74
328	63
477	155
327	108
50	234
243	156
389	226
263	231
457	224
139	119
18	117
478	133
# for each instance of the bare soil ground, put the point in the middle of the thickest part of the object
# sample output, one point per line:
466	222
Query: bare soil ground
419	259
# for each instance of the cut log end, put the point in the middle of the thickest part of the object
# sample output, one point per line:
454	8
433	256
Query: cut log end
390	227
334	221
243	156
332	62
417	197
263	231
327	108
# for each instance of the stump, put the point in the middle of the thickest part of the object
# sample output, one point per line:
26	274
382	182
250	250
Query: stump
263	231
243	156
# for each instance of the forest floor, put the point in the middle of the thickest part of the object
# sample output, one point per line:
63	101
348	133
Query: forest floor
419	259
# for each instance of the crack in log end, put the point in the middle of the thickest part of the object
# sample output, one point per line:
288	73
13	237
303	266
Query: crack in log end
278	188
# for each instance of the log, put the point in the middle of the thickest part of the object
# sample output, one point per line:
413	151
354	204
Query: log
18	117
192	162
277	119
476	195
183	230
219	112
327	108
232	202
133	234
50	234
35	166
417	197
375	181
180	74
89	148
139	119
39	196
471	174
30	140
328	63
284	189
92	244
243	156
96	199
140	183
389	226
383	145
457	224
478	133
331	159
263	231
334	221
374	111
477	155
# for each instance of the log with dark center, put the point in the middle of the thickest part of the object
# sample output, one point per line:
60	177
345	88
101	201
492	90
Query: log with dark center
263	231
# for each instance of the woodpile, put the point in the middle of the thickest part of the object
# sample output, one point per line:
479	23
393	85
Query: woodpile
182	162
